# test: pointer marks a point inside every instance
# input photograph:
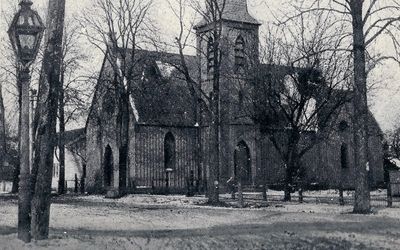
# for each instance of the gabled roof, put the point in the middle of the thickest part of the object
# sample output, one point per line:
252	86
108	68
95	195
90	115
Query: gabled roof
73	136
235	11
161	94
158	89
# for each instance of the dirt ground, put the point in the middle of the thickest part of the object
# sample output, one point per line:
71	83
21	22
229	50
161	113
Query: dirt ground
177	222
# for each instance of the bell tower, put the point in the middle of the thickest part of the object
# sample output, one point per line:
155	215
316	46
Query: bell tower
238	51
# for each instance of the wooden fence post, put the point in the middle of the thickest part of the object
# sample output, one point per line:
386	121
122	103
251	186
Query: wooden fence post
301	198
82	186
76	184
389	194
264	192
341	199
240	194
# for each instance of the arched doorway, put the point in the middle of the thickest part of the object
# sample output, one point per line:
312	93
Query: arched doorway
243	163
108	167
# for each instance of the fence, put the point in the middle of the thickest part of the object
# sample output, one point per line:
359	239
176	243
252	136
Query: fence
379	198
76	185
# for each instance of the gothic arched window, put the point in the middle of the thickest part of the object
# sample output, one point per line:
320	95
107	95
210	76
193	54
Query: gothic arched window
210	55
240	60
240	97
343	126
344	156
169	151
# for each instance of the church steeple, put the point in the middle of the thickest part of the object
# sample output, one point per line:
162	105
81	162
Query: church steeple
234	11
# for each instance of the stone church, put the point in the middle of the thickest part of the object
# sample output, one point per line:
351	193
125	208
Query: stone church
169	131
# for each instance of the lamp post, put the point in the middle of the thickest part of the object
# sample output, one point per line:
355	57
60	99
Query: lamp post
25	33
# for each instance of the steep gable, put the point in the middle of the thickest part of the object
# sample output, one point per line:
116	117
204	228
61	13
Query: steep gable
158	89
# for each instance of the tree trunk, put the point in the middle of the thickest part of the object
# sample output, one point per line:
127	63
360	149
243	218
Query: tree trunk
2	135
45	120
124	140
213	182
291	165
17	167
362	193
61	137
288	182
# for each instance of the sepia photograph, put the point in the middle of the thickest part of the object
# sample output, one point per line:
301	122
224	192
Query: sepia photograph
199	124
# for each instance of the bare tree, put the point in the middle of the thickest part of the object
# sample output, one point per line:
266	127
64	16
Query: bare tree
45	121
212	14
302	89
367	22
119	29
72	91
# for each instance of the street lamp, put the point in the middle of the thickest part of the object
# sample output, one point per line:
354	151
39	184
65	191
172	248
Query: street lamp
25	32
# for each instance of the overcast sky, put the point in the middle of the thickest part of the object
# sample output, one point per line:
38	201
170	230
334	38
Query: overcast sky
385	101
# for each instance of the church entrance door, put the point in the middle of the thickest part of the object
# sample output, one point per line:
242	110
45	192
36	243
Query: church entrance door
242	169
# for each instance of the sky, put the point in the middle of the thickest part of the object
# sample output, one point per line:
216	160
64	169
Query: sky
384	99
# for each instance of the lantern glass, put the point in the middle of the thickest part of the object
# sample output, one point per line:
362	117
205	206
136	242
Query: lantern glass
25	32
21	20
27	41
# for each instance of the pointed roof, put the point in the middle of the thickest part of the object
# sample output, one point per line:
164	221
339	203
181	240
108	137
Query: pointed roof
235	11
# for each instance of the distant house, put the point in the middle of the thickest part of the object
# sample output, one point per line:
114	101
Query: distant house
75	159
170	130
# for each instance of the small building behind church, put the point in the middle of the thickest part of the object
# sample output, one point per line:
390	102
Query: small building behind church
75	160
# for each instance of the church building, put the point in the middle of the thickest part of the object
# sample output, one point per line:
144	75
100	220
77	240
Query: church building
170	132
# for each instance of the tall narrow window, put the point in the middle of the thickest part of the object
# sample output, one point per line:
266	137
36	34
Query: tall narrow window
343	156
240	97
108	167
210	55
169	151
240	60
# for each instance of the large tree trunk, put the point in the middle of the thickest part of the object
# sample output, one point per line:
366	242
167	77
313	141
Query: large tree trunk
213	182
213	185
362	193
45	120
124	140
291	165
